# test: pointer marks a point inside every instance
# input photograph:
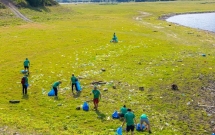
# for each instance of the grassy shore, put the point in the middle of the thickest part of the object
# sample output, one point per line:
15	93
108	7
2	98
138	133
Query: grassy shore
151	53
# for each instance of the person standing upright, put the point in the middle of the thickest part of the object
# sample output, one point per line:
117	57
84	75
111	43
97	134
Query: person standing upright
24	83
96	96
73	82
129	120
26	64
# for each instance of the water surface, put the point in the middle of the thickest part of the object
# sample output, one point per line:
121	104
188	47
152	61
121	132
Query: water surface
204	21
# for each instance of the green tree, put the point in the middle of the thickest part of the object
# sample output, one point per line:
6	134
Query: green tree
36	3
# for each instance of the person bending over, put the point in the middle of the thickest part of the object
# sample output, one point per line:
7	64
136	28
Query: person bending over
56	87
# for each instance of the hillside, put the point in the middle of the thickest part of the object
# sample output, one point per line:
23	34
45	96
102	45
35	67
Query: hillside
14	9
75	38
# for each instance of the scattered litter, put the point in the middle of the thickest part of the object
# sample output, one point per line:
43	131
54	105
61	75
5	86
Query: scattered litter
43	92
188	103
209	114
108	118
204	55
98	82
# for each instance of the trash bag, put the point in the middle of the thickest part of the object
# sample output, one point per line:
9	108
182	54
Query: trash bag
78	86
85	106
51	93
138	127
119	131
115	115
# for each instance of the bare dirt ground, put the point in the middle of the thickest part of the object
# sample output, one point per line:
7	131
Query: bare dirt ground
14	9
142	14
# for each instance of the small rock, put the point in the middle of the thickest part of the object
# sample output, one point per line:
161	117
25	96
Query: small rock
141	88
105	89
78	108
59	105
103	69
174	87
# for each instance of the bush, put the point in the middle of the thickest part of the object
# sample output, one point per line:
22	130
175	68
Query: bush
20	3
36	3
2	6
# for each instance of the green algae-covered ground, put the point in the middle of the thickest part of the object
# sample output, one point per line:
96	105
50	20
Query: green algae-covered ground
75	38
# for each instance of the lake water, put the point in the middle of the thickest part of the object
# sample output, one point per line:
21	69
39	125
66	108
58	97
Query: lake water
204	21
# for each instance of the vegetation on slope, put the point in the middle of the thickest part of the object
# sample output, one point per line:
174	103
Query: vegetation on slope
34	3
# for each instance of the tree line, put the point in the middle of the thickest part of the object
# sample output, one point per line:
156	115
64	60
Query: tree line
34	3
37	3
70	1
